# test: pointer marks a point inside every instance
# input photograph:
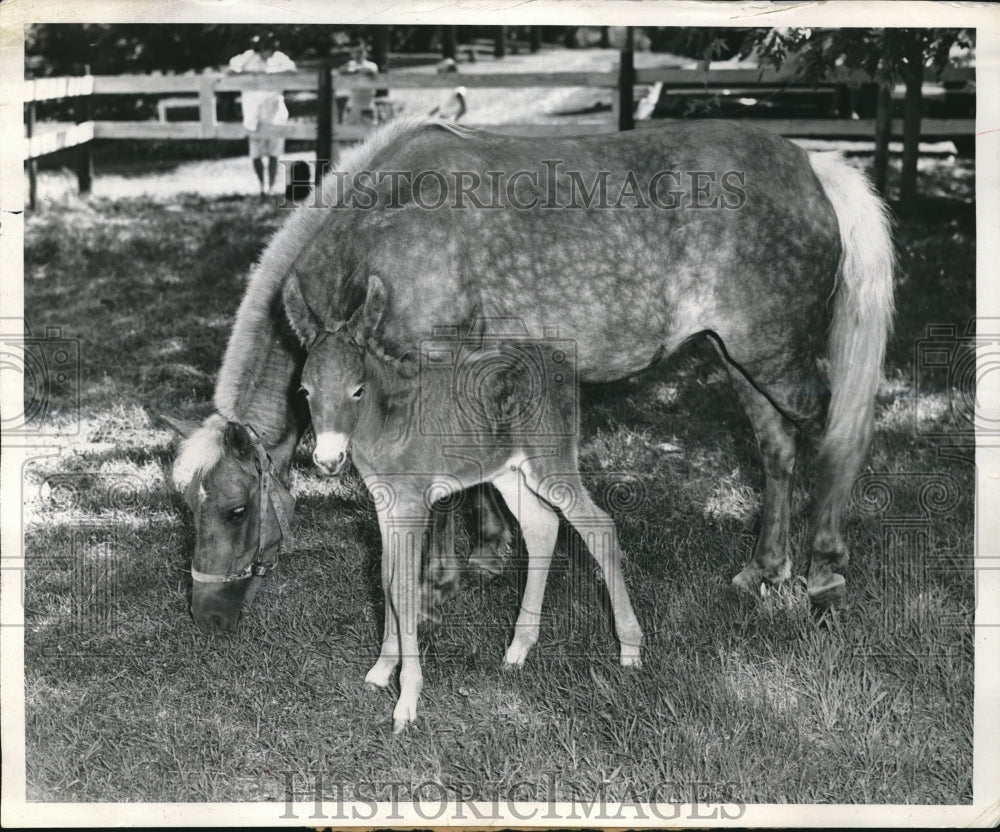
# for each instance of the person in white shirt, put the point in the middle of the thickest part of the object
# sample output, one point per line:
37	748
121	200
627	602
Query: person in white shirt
263	107
361	104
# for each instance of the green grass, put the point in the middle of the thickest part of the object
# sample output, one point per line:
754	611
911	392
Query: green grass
752	698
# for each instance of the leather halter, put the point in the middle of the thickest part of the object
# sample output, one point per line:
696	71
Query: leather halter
258	568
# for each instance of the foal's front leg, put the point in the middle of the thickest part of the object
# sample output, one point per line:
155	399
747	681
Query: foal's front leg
402	526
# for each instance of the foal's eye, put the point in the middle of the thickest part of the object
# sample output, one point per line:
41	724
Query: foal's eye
357	394
304	391
238	513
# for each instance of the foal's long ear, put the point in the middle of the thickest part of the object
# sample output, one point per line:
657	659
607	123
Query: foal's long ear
365	321
305	323
238	440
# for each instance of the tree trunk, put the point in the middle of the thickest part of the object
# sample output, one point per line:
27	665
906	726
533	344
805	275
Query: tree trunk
535	36
883	132
449	42
500	42
626	84
380	47
913	75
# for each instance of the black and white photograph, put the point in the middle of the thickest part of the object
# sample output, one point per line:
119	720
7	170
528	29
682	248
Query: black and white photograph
423	415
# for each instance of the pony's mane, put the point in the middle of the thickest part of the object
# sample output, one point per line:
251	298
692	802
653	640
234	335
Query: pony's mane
200	452
255	335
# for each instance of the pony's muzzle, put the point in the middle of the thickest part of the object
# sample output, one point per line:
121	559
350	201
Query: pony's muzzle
216	608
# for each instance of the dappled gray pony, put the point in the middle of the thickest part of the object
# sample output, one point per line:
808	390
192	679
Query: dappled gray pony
420	438
629	245
782	258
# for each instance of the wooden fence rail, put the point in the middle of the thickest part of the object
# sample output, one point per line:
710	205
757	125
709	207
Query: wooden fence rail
204	89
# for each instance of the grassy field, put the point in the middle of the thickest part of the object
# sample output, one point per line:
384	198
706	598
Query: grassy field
747	700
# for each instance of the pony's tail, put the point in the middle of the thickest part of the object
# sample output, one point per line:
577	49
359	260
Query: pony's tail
861	324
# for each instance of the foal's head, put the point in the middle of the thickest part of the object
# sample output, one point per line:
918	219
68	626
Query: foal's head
334	375
333	380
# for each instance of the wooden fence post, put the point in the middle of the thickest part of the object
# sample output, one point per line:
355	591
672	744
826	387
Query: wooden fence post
324	120
84	155
626	83
206	106
31	165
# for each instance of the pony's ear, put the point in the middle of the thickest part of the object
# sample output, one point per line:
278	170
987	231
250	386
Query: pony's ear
237	439
305	323
365	321
182	427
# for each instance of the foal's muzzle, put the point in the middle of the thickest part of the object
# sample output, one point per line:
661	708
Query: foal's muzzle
331	452
330	468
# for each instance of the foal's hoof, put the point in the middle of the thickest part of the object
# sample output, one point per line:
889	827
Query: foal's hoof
831	593
631	660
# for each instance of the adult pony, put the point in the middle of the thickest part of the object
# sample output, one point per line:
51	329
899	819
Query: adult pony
629	245
425	438
233	469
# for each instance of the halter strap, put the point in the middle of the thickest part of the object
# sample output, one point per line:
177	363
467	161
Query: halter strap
258	568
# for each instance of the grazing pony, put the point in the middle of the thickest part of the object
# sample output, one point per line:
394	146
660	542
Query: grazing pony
457	423
233	469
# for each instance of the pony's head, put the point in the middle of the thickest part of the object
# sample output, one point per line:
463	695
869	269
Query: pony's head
241	510
334	374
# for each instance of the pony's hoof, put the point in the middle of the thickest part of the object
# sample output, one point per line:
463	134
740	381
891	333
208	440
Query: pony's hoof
371	687
749	582
831	594
484	563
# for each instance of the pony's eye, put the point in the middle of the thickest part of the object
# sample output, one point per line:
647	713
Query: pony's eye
238	513
357	394
304	391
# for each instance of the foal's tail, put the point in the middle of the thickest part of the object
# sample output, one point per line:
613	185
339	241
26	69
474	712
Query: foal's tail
862	321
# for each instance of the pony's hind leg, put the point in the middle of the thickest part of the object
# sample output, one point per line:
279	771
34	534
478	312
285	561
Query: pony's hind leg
835	472
597	528
777	439
539	527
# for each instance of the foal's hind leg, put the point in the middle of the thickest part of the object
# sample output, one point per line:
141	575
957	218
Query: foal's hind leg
777	439
539	527
600	535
